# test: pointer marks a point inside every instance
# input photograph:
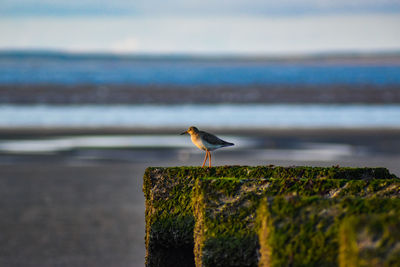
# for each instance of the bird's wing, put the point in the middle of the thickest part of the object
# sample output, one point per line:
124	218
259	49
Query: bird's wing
212	139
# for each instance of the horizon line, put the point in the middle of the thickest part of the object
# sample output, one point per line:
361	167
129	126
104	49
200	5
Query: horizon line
190	55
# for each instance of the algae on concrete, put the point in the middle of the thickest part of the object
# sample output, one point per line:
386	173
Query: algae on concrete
227	233
305	231
170	216
370	240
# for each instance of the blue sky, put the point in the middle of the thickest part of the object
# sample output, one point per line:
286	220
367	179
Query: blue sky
193	7
201	27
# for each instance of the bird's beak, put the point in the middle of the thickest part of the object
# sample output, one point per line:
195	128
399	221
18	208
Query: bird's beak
185	132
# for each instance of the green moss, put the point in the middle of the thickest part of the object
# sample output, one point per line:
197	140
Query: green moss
265	227
220	229
225	210
169	193
169	218
273	172
370	240
305	231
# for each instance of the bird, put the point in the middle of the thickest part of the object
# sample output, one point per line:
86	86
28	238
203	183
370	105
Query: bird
205	141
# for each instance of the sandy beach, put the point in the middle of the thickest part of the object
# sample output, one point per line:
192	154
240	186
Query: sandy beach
85	207
168	94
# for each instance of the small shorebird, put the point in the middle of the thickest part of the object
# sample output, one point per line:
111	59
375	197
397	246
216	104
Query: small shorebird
205	141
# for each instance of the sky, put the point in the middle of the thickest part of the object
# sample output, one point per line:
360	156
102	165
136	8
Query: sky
201	27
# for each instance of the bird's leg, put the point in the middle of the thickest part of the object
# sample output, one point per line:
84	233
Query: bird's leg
204	162
209	158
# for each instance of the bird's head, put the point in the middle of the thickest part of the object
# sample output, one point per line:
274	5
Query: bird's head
191	130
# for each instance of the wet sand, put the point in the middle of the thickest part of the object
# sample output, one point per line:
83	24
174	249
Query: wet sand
70	215
85	207
165	94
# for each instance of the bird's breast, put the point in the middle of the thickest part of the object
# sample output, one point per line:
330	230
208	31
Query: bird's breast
198	142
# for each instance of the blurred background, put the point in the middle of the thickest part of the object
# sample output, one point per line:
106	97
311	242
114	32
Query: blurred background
93	92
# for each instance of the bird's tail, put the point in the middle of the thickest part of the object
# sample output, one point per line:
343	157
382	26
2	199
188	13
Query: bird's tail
229	144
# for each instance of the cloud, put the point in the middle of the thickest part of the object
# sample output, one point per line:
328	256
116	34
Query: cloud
125	46
220	35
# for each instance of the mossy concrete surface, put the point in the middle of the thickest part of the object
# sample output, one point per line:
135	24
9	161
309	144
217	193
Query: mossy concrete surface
370	240
308	231
227	234
180	197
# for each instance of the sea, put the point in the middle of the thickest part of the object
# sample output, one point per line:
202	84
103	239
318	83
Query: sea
24	69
